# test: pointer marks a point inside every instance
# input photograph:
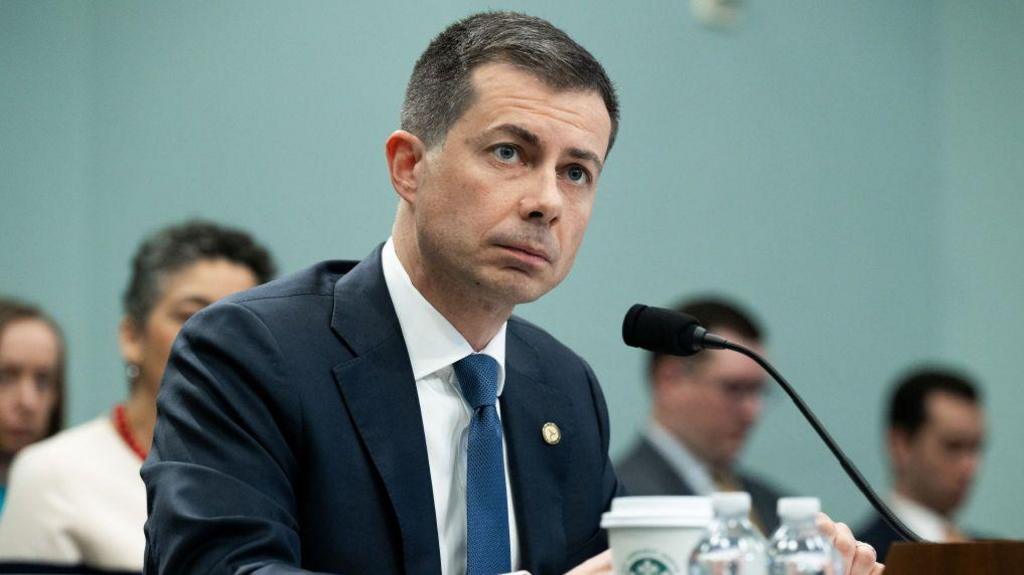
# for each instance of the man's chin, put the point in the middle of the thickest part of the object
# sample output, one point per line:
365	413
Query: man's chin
956	503
521	296
516	287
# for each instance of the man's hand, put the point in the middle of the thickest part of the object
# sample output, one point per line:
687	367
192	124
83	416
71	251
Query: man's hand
596	565
858	558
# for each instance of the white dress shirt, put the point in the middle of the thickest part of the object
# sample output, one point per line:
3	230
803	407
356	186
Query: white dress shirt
434	345
921	520
685	463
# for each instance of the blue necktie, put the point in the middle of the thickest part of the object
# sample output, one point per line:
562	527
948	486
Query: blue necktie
487	546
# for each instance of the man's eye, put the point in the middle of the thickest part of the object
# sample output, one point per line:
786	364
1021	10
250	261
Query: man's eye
506	153
44	382
577	175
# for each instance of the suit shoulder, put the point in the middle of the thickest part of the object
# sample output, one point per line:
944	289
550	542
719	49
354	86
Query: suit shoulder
643	471
634	462
303	296
637	452
539	339
316	280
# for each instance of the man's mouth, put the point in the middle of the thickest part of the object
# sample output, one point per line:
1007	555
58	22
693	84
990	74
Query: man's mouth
532	254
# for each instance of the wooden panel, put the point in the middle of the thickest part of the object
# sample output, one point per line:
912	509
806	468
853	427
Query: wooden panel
975	558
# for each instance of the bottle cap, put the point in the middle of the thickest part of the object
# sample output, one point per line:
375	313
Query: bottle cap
792	508
730	503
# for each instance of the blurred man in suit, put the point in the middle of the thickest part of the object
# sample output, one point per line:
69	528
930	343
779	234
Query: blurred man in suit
704	408
936	430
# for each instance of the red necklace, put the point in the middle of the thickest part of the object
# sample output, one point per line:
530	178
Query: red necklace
121	424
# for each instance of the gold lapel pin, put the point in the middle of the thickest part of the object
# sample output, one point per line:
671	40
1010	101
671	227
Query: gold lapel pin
552	435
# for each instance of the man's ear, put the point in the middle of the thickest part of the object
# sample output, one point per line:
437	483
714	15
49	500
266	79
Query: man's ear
665	376
404	153
899	446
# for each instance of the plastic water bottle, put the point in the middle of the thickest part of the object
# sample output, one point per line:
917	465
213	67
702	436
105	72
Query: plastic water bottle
732	545
798	548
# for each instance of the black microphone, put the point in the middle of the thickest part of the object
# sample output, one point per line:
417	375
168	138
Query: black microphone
674	333
666	331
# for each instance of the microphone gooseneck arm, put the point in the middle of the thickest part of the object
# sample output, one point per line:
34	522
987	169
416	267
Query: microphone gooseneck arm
712	341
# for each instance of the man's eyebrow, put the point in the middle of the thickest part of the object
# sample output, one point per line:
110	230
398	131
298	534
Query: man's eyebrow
517	131
581	154
532	139
195	299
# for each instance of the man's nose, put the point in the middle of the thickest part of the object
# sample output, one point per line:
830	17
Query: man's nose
751	405
542	202
970	464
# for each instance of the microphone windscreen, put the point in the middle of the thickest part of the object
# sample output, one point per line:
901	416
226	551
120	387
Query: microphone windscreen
660	330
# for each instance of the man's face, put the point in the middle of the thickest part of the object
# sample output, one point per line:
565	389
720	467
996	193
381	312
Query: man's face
500	207
713	404
938	463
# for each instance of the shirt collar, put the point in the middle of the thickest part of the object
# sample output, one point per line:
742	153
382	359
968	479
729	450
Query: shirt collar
683	461
432	341
921	520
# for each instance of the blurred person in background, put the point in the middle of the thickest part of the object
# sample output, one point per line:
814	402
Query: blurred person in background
936	431
31	380
703	410
77	498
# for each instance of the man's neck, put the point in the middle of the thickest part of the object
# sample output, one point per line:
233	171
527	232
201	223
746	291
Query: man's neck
662	419
473	316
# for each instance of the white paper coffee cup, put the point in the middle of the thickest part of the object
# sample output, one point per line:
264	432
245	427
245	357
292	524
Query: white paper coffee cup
655	535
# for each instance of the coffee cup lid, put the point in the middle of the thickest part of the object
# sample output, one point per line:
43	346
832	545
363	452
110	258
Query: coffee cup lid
658	511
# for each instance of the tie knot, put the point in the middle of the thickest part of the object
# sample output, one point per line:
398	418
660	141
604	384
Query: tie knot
724	479
478	378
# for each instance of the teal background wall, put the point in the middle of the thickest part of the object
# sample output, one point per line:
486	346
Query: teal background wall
981	231
851	171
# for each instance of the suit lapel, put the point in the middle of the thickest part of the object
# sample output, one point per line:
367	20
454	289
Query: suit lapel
537	470
659	468
379	391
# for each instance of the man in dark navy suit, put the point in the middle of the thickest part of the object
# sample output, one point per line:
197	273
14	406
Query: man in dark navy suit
391	415
318	423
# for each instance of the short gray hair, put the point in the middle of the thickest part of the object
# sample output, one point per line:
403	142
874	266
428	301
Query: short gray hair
439	89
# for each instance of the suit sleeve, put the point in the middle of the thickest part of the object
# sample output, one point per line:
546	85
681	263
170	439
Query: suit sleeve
610	486
221	476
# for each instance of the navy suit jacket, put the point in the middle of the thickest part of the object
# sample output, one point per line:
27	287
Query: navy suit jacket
289	438
879	535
